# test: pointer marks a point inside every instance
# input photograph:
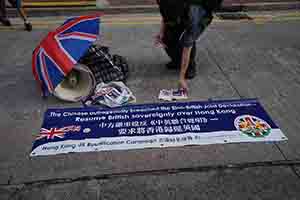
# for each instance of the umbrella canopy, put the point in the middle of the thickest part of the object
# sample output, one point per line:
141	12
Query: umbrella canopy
60	50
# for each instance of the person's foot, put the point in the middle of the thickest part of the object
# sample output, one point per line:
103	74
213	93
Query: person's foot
5	21
28	26
172	65
191	71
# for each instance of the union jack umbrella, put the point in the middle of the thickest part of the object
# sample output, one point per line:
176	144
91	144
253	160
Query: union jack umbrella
60	50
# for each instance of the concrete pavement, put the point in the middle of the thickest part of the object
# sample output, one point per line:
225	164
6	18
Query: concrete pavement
255	184
237	59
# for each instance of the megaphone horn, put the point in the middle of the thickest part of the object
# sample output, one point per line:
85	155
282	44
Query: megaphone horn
79	84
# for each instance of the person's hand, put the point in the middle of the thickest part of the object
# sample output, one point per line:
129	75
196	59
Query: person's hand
158	41
183	84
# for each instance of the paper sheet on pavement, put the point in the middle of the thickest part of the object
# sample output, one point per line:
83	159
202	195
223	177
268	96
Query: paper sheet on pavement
172	94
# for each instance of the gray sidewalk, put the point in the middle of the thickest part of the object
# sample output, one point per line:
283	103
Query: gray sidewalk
237	59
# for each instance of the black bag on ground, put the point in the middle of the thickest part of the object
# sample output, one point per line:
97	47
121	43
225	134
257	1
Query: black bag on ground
105	67
121	62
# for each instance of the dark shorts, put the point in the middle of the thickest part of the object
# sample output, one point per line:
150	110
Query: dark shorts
197	22
15	3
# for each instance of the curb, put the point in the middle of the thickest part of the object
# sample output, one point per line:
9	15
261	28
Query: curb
75	11
81	9
262	6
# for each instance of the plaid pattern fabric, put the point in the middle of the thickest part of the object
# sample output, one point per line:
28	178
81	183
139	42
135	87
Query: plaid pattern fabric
105	67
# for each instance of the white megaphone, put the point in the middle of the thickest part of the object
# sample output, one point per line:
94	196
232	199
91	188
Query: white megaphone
79	84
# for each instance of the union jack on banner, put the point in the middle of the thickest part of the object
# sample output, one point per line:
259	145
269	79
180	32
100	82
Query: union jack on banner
51	133
56	55
57	132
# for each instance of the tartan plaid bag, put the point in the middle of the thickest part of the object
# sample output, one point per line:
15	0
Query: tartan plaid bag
105	67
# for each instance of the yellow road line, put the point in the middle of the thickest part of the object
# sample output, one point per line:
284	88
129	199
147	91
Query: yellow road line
276	19
286	19
292	14
59	3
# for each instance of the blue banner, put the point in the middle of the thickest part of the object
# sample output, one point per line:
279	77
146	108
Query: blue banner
154	125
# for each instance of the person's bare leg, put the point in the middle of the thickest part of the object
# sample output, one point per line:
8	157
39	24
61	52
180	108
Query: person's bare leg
21	11
185	60
23	15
